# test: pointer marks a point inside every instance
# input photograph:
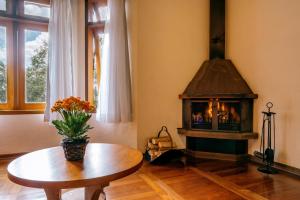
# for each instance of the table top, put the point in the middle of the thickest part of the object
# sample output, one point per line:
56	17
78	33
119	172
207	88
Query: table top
49	168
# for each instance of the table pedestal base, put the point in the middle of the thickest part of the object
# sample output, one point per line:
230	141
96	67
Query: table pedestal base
93	193
53	194
90	193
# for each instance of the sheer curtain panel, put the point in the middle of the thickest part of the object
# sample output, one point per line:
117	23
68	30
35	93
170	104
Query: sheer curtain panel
115	85
60	83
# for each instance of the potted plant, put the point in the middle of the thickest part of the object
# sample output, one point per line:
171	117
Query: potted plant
73	126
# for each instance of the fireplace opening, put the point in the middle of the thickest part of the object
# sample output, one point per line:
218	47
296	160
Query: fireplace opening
202	115
229	115
227	112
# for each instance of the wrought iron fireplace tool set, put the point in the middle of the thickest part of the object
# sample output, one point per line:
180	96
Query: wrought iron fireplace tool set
267	143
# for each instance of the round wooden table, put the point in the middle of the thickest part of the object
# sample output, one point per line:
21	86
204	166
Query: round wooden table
48	169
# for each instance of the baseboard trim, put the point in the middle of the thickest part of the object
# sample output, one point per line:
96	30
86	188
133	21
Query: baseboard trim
11	156
286	169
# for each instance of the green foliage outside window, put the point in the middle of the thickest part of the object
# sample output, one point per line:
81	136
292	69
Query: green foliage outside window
3	82
36	75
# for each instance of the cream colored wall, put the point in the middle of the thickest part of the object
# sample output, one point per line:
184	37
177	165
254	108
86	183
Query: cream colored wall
172	44
25	133
263	41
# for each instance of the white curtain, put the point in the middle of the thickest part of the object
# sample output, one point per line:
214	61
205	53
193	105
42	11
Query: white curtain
115	85
60	83
78	44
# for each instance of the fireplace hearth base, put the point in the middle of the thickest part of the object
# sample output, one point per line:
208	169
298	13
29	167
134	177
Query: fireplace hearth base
211	148
217	145
216	156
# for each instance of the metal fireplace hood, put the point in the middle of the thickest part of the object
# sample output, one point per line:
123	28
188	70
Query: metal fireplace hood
217	77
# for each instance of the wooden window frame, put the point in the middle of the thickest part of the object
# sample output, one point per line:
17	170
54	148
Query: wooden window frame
16	22
9	67
21	10
21	68
92	29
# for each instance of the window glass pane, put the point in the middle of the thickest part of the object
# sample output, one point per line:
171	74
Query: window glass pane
36	63
95	85
36	9
101	14
103	11
3	66
96	72
3	5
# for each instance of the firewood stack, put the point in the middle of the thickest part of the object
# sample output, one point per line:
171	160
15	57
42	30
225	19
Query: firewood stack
156	146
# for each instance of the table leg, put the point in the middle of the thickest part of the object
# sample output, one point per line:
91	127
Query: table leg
53	194
93	192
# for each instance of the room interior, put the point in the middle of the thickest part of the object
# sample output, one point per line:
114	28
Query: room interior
175	80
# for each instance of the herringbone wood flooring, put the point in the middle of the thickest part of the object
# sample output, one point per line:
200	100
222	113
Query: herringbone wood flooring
209	180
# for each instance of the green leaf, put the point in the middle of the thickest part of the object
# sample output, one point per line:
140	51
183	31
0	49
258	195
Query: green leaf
73	125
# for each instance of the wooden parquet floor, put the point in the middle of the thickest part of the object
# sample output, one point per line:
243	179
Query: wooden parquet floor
208	180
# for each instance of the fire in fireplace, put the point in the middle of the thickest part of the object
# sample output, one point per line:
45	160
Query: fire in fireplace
228	114
201	115
218	114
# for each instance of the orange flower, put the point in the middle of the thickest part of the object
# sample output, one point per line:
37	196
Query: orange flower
92	108
72	99
72	104
85	105
66	105
57	106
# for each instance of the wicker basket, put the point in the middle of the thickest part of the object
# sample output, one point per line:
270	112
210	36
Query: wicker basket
74	151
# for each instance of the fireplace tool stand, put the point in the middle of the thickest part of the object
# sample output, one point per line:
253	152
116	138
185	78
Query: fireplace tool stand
267	143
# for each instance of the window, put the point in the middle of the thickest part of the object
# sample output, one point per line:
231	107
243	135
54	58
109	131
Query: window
2	5
35	64
3	65
36	9
6	70
97	50
97	14
23	54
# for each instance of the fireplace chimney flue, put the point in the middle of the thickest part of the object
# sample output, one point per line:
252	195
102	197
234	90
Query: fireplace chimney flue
217	29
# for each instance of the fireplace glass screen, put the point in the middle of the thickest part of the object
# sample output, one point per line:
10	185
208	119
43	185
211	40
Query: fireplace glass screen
229	117
202	115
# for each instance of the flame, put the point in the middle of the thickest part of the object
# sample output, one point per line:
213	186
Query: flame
210	109
223	107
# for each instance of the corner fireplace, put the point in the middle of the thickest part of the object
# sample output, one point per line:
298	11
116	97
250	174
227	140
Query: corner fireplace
217	111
